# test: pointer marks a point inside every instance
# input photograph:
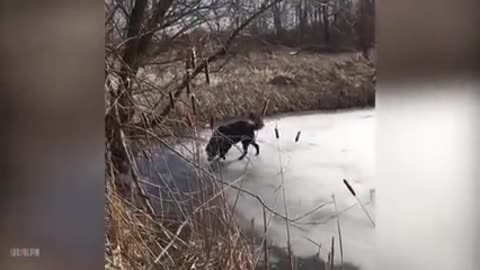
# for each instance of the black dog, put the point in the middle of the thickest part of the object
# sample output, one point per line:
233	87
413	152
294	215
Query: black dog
224	137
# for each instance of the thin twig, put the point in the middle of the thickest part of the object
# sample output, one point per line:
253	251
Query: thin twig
284	192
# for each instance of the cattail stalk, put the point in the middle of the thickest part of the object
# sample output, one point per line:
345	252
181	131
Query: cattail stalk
287	222
172	101
359	202
207	73
252	224
332	253
194	107
188	82
339	230
265	106
329	258
265	240
193	58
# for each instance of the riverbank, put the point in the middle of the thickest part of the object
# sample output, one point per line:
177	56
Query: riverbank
288	82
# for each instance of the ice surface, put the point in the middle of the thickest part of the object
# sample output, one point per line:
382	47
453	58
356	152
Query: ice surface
331	147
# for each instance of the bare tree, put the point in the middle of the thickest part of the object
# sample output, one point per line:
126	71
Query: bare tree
366	26
326	24
277	20
123	113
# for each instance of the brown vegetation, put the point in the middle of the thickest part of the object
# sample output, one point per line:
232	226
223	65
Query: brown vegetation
291	83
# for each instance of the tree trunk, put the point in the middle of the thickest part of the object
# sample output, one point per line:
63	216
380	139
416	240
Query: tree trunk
300	20
326	25
157	18
123	111
277	21
366	27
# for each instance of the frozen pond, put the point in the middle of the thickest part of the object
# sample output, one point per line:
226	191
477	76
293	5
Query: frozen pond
332	146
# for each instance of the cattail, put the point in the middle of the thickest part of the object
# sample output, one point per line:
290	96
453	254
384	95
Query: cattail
212	121
359	202
172	101
188	82
298	136
194	108
332	253
349	187
252	224
193	57
329	258
187	60
207	73
265	106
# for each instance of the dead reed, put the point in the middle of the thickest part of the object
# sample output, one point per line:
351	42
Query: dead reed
243	85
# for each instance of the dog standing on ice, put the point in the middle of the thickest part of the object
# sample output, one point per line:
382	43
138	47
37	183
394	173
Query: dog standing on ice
224	137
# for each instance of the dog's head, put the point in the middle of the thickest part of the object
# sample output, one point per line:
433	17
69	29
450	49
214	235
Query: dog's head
256	121
211	150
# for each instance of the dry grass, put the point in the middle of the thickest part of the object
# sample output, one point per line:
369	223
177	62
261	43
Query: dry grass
315	82
183	239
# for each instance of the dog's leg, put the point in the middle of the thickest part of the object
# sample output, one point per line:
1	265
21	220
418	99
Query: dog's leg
224	150
213	148
257	147
245	145
210	151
